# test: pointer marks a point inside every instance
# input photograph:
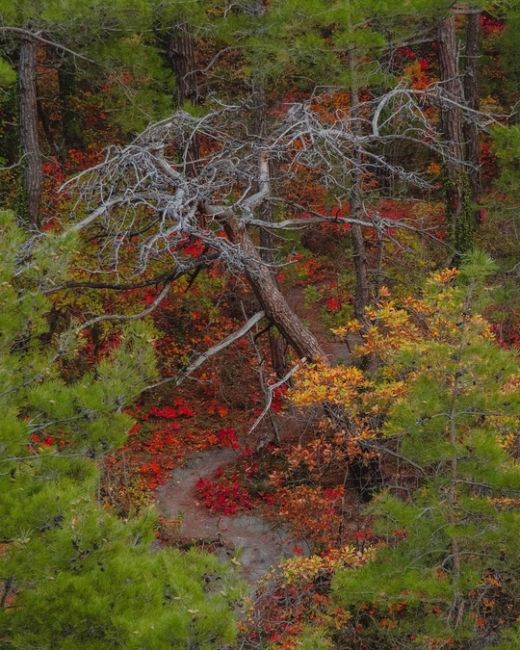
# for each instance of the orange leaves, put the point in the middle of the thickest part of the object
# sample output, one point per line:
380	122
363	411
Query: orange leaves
317	457
418	76
217	409
434	169
313	512
445	276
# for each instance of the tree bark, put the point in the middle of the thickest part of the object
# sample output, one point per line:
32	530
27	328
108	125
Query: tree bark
452	119
472	94
182	58
32	183
273	303
277	345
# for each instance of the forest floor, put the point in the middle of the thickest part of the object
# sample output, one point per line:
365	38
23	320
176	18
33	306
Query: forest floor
249	540
254	544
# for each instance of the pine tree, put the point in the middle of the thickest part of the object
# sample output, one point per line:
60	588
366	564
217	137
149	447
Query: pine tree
90	42
447	572
72	575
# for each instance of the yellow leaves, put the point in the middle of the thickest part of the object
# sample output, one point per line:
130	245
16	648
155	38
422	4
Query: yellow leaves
298	568
482	327
352	327
309	568
387	394
318	383
392	327
403	337
416	306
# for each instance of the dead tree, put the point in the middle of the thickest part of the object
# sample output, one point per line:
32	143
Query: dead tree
146	198
270	297
362	290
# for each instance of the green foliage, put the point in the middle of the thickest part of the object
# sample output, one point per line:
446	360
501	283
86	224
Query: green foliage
7	74
509	639
459	534
506	142
72	574
301	43
139	84
509	43
313	640
118	40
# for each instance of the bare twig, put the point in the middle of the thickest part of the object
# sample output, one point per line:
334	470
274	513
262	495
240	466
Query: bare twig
270	392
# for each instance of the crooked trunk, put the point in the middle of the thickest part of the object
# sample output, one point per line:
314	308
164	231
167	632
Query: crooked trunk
277	345
457	181
271	299
32	182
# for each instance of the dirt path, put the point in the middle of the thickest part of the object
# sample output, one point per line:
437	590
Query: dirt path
333	348
250	540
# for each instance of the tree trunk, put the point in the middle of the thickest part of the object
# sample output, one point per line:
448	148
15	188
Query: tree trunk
452	118
182	58
277	344
29	133
362	291
472	94
273	303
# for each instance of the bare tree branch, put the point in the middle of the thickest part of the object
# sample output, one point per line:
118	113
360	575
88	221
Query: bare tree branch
169	276
214	349
123	317
36	36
